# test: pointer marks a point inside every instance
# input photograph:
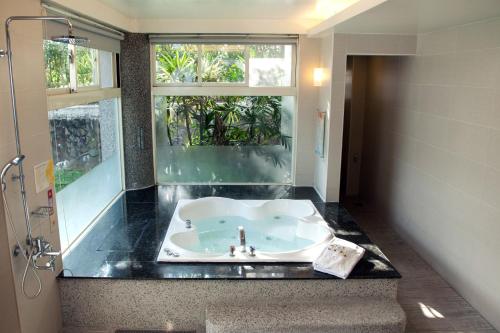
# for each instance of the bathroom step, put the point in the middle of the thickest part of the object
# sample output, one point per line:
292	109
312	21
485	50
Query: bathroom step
346	315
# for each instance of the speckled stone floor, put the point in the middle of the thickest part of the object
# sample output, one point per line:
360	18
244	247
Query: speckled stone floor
430	303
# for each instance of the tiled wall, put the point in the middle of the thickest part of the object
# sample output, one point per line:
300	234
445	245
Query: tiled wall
136	111
438	170
42	314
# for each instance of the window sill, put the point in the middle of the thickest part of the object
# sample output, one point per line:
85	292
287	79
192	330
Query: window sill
82	97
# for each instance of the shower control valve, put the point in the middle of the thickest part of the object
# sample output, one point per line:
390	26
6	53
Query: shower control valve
252	251
42	248
232	248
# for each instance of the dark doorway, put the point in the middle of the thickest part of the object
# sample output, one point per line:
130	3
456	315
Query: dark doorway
370	105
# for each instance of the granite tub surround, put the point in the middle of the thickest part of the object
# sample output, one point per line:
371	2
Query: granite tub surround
346	315
111	279
181	305
124	243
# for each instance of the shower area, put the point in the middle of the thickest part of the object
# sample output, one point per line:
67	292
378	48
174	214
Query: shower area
85	125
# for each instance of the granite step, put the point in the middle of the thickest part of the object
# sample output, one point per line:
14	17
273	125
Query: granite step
346	315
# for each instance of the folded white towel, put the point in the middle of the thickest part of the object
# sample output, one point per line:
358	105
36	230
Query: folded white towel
339	258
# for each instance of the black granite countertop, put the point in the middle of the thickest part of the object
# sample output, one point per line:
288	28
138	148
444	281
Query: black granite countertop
124	242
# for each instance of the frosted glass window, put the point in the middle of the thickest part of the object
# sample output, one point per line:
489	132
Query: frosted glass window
270	65
87	156
106	69
224	139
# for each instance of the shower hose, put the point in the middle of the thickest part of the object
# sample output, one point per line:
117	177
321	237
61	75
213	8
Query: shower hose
28	255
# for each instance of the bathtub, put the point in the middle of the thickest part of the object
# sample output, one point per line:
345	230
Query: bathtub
203	230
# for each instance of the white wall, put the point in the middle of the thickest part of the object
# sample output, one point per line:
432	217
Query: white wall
324	105
440	152
42	314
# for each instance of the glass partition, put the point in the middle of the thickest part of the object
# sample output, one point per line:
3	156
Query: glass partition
87	156
224	139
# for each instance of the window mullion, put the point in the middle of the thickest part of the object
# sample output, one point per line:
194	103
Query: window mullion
198	67
72	68
247	66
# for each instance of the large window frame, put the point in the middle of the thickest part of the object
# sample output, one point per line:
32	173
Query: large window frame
102	89
73	85
200	83
200	88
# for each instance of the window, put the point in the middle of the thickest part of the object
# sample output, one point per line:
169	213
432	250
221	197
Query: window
176	63
223	63
87	156
85	131
224	112
87	74
252	65
71	67
224	139
270	65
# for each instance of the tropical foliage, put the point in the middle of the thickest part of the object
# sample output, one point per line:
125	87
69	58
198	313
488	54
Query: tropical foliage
221	120
215	120
86	66
176	63
56	64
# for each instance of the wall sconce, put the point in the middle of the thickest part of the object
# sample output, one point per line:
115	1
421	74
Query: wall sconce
318	77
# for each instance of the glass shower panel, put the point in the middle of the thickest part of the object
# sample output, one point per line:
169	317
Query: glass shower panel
87	156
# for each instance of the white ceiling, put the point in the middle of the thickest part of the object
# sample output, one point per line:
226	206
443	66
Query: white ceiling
216	9
416	16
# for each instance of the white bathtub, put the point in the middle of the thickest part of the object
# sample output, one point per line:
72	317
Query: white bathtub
279	230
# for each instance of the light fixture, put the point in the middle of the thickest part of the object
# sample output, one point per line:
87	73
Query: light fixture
318	77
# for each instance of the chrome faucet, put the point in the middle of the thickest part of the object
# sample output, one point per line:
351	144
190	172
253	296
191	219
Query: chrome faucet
243	241
44	249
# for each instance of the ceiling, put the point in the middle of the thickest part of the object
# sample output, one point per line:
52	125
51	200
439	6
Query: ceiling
310	10
215	9
418	16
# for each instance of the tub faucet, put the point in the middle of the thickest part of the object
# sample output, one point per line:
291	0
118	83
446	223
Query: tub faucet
243	241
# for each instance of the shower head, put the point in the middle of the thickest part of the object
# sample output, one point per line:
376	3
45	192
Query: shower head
71	39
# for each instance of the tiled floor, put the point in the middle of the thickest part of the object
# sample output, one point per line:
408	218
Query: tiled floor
430	303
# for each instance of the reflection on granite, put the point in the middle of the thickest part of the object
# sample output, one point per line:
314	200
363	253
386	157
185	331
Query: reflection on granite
125	241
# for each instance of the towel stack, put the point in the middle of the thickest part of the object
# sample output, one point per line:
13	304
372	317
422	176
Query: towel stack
339	258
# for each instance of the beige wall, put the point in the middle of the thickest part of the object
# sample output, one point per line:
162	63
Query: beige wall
334	51
9	320
324	105
308	59
437	170
43	313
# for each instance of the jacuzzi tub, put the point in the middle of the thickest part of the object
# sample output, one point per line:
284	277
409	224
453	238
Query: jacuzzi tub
203	230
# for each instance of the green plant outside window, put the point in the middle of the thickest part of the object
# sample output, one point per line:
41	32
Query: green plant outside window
86	66
176	63
56	64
